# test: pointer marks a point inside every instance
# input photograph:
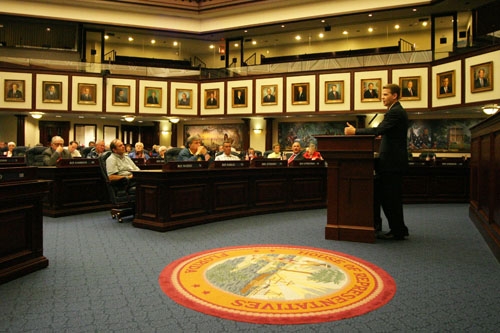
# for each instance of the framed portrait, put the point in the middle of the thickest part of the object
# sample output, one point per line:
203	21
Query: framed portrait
87	93
239	97
334	92
445	84
121	95
300	93
183	100
14	90
410	88
152	97
481	77
212	98
370	90
52	92
270	95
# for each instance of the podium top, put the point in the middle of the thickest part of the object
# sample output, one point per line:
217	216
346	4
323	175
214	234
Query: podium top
347	143
77	162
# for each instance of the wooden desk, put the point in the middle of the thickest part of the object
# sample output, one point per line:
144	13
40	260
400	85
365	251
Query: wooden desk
21	237
182	197
74	189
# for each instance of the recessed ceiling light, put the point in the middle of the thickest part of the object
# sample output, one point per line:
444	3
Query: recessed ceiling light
175	43
298	37
322	21
282	25
396	26
321	35
130	39
344	32
212	46
106	37
424	23
236	44
370	29
254	42
153	41
370	15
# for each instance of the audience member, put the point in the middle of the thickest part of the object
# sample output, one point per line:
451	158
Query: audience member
97	150
128	148
10	149
312	153
194	151
139	152
297	153
73	149
276	151
161	152
118	164
226	155
250	155
55	152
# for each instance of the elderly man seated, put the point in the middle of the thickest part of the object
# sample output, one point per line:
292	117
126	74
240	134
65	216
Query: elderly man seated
226	155
55	152
97	150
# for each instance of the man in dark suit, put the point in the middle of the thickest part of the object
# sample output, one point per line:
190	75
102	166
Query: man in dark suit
297	153
301	95
333	94
392	163
481	81
239	97
371	92
212	101
269	98
14	92
152	99
445	87
86	95
409	91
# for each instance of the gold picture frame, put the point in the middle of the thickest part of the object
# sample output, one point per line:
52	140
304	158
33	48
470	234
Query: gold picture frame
269	94
239	97
445	84
410	88
87	93
14	90
52	92
300	93
212	98
371	90
334	92
481	77
183	98
121	95
152	97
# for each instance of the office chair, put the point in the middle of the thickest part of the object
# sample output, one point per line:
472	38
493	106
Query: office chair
121	195
34	156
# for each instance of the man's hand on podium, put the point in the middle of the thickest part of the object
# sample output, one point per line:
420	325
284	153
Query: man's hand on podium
349	130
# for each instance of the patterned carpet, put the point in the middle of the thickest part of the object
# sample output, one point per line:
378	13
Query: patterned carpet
103	275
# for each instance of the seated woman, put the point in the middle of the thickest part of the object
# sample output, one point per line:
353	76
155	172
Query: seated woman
276	151
10	151
312	153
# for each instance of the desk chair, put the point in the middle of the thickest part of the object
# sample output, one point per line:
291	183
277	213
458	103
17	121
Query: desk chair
34	156
121	195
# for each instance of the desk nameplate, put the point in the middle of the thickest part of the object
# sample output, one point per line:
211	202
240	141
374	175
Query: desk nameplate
308	163
185	165
231	164
77	162
13	174
12	160
268	163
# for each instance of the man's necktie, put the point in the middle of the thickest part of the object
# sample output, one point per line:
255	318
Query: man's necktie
290	160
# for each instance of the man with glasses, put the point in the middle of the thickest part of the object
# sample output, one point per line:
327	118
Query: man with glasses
55	152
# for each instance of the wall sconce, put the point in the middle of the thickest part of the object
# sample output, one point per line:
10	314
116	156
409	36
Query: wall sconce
490	109
174	120
129	118
165	132
36	115
257	130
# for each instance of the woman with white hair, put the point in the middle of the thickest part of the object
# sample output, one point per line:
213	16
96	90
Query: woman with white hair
10	152
312	153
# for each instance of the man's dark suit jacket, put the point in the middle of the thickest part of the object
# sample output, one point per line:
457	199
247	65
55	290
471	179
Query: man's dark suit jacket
477	83
211	101
333	96
406	92
393	154
372	94
441	90
152	100
269	99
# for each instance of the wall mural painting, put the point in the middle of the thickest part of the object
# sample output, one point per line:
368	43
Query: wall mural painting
215	135
440	135
288	133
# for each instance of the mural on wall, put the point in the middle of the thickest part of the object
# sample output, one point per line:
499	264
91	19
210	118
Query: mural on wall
215	135
288	133
440	135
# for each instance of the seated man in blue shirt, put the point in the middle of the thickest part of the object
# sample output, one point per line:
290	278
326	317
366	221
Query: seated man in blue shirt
194	151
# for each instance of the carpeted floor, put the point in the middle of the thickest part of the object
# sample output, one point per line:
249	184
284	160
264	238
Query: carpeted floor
103	276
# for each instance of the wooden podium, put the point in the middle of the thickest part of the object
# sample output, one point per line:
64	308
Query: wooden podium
350	186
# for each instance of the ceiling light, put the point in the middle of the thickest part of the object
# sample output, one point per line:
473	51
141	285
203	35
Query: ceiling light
236	45
254	42
174	120
36	115
129	118
321	35
424	23
212	46
153	41
370	29
298	37
130	39
344	32
396	26
175	43
282	25
106	37
490	109
257	130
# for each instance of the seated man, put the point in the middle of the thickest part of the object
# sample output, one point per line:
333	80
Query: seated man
55	152
226	155
73	149
118	164
97	150
194	151
251	154
297	153
312	153
139	152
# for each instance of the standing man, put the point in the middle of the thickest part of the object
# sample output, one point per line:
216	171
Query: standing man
392	164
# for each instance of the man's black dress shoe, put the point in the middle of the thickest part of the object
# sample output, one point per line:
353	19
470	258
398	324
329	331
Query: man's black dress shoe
390	236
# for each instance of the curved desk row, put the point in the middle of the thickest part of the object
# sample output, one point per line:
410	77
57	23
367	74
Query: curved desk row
182	197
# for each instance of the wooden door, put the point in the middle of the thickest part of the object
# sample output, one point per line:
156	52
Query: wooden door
49	129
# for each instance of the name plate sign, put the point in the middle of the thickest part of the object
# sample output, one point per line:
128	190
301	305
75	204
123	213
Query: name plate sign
17	174
13	160
268	163
231	164
77	162
185	165
155	160
308	163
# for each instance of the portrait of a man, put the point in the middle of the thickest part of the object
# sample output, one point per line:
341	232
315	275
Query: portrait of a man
121	95
14	90
269	94
300	93
482	77
52	92
239	97
212	101
183	100
370	89
334	92
87	93
446	84
410	88
152	96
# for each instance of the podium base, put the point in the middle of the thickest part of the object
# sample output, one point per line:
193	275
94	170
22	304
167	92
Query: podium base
350	233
